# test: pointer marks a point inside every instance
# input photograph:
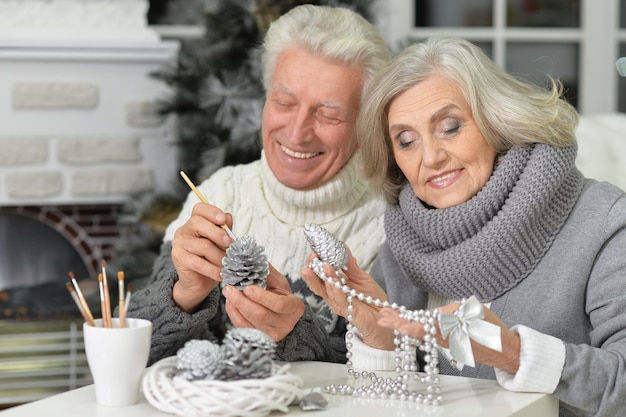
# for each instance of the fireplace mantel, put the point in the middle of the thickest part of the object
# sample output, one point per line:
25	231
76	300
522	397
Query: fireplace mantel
78	21
78	104
78	135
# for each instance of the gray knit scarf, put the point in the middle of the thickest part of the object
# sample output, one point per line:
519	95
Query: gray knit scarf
487	245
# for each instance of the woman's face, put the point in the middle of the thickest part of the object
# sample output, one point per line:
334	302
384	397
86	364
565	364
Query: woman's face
437	144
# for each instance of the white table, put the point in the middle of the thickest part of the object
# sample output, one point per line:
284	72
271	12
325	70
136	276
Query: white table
462	397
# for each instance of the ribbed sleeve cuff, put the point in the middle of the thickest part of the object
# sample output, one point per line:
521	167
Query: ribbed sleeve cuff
542	358
367	358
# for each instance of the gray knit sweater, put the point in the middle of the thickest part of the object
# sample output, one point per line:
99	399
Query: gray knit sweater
563	277
275	216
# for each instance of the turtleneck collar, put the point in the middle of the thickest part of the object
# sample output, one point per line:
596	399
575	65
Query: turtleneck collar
321	205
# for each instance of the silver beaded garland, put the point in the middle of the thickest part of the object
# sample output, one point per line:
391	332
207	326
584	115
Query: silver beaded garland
399	387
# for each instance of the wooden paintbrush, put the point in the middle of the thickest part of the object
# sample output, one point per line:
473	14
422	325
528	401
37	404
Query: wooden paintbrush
86	316
106	313
84	307
204	200
103	305
121	307
129	292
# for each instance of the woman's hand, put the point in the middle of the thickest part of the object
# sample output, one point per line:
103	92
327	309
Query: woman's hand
506	360
364	316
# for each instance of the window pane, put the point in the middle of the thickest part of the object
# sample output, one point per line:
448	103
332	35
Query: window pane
487	48
543	13
534	61
621	84
453	13
622	14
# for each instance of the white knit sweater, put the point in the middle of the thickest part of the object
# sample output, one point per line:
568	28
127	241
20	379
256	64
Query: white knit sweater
275	215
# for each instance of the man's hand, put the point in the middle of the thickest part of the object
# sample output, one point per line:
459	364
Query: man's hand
275	310
197	251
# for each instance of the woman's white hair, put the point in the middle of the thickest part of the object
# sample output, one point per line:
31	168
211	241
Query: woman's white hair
508	111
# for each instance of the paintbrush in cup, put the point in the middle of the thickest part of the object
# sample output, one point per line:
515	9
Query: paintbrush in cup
106	313
103	304
121	302
83	306
72	291
129	292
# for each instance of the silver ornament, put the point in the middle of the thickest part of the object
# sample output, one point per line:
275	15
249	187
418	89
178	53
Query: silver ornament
245	264
248	353
199	359
328	248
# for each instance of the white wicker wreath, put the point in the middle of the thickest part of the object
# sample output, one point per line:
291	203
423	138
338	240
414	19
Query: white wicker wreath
207	397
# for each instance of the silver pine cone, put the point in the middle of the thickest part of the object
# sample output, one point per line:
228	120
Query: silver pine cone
245	263
199	359
328	248
248	354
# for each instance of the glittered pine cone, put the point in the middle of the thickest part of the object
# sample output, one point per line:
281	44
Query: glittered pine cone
199	359
328	248
245	263
247	354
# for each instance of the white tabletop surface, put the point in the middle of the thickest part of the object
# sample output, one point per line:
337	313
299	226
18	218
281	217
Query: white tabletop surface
462	397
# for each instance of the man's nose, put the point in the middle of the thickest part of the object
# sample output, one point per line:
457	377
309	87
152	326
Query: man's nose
300	126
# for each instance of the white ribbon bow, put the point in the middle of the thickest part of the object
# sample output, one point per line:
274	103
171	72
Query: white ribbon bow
467	323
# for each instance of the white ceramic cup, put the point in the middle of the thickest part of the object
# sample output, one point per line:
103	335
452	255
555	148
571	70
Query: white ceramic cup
117	358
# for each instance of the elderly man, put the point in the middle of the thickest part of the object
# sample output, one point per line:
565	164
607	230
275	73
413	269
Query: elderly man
317	62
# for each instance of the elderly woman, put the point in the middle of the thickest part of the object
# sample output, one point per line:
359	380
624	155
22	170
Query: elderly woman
486	200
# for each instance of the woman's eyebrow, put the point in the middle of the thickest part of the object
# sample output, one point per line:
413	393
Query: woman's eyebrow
399	126
443	111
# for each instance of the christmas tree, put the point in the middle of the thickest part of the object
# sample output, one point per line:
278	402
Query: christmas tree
217	98
218	94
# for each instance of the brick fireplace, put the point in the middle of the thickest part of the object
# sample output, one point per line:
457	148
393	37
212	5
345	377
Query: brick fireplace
91	230
80	135
80	131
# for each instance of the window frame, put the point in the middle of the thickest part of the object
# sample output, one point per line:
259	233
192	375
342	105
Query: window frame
597	75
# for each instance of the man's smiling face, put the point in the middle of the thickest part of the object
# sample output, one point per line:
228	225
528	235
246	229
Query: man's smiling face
309	118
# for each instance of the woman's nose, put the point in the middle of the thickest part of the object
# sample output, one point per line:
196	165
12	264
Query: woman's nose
433	153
